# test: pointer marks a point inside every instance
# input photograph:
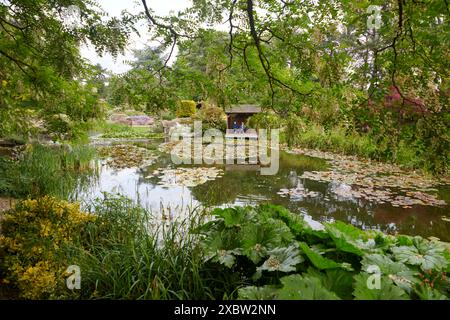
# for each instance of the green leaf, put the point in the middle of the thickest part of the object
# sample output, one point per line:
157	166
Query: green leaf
282	259
387	291
424	292
316	259
398	272
295	222
447	257
259	238
257	293
426	254
345	236
235	216
336	280
226	257
221	246
304	287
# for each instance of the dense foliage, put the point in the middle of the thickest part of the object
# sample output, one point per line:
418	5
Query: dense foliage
280	256
41	70
186	108
264	252
329	64
42	170
33	238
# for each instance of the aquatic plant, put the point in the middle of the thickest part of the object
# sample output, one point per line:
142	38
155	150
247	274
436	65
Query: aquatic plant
43	170
280	256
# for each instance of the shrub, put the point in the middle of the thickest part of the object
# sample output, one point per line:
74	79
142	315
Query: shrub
186	108
35	234
59	124
212	117
294	129
264	120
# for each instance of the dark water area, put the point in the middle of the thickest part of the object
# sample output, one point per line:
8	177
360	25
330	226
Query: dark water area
244	185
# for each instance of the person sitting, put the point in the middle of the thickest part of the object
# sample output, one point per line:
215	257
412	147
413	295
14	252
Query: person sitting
235	127
243	127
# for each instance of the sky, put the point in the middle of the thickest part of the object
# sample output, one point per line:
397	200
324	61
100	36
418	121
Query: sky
114	8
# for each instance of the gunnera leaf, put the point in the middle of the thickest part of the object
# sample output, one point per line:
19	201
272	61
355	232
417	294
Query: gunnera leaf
257	293
335	280
447	257
344	237
316	259
221	246
387	290
257	239
235	216
226	257
282	259
304	287
298	226
398	272
426	254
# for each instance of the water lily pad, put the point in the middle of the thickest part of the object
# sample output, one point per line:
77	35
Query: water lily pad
188	177
126	156
374	182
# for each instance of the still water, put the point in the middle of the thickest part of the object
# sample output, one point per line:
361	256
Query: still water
244	185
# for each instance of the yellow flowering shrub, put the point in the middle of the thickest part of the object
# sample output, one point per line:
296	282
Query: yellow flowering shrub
34	232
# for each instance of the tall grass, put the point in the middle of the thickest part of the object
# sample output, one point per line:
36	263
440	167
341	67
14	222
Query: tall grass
43	170
340	140
124	256
337	139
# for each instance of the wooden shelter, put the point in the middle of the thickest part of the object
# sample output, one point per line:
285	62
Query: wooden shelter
240	113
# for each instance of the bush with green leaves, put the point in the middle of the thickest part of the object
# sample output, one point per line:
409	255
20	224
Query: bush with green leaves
277	255
186	108
265	120
212	117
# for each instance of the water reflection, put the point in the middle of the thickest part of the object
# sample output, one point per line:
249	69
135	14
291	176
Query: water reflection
243	185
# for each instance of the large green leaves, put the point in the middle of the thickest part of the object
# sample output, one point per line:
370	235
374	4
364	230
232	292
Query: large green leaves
345	237
282	259
316	259
398	272
221	246
386	291
338	281
304	287
235	216
426	254
257	239
257	293
265	239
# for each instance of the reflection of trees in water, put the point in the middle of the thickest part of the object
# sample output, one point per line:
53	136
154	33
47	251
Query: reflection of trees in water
301	163
86	179
417	221
420	220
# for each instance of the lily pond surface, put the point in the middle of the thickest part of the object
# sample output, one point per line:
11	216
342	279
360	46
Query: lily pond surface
164	188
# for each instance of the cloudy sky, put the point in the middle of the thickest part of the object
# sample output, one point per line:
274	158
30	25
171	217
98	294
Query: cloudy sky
114	8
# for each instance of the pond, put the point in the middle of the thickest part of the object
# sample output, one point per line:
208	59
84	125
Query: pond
317	201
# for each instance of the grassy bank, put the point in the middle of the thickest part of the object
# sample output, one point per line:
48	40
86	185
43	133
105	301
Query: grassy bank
44	170
264	252
110	130
407	154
